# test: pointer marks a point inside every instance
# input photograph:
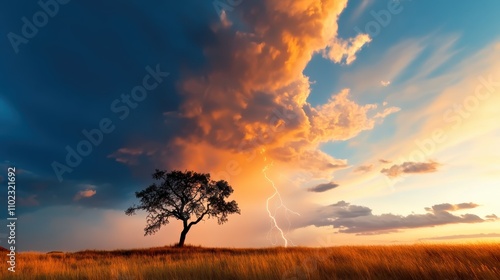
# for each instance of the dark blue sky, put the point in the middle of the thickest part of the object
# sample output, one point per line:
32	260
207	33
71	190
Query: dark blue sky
66	77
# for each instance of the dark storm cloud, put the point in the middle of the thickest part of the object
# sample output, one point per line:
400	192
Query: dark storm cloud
348	218
323	187
243	101
36	192
64	80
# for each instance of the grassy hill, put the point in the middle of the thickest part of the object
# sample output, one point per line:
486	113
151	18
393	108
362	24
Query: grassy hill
480	261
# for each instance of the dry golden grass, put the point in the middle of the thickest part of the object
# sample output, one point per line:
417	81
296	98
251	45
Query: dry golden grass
481	261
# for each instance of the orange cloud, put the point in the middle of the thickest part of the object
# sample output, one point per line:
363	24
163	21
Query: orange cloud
84	194
342	51
253	95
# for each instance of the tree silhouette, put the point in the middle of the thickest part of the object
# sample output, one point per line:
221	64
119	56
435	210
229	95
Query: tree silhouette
187	196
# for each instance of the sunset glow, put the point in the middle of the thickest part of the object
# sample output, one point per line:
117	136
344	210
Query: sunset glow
336	122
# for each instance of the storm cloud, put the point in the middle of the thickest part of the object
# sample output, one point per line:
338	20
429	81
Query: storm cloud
252	96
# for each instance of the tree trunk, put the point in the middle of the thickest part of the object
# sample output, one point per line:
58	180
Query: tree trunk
183	237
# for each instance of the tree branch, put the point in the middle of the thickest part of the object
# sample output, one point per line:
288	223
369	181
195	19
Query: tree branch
200	217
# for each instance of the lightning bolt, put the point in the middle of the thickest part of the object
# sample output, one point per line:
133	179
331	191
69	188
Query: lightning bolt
272	216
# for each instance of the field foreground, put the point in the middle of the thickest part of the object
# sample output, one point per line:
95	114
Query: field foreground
347	262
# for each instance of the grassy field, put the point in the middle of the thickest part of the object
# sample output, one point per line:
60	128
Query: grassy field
349	262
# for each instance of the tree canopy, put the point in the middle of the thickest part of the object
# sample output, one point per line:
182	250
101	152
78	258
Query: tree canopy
187	196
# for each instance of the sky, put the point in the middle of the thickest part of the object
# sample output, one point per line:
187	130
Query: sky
346	122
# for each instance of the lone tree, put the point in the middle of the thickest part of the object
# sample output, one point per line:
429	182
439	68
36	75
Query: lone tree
187	196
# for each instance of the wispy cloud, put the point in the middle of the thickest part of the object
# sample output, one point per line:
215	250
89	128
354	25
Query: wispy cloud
363	168
323	187
84	194
451	207
361	8
386	112
410	168
344	51
492	217
348	218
